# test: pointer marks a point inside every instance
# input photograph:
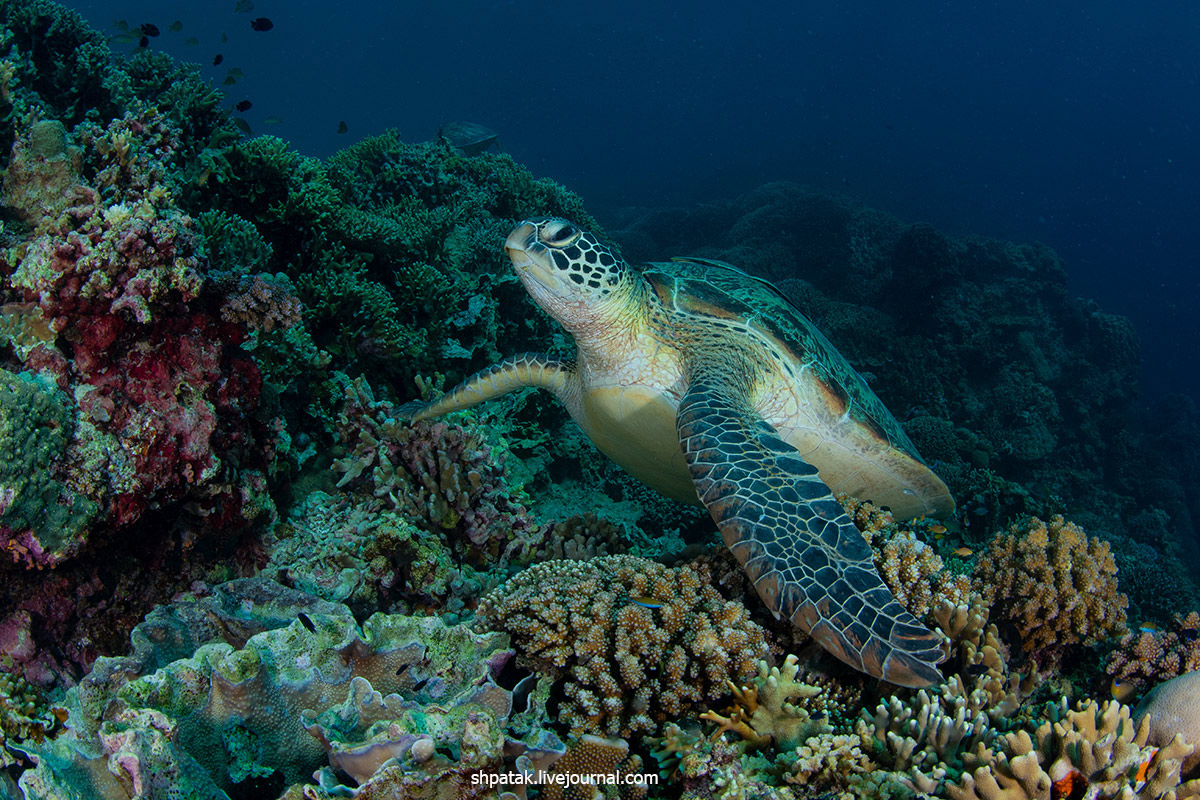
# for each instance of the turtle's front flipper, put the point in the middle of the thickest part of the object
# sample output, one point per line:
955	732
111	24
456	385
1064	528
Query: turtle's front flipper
514	372
803	554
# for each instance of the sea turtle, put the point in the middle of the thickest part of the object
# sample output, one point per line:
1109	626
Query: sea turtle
468	138
708	385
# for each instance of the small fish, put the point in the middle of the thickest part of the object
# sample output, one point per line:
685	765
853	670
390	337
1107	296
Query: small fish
1122	691
149	29
243	6
244	105
236	72
273	121
175	27
217	59
261	24
224	38
1187	634
343	127
975	669
937	529
1069	787
129	37
963	552
937	537
191	41
1148	627
243	126
1143	769
646	602
121	24
229	80
144	41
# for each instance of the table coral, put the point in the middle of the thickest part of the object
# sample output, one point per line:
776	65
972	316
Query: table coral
637	643
1057	586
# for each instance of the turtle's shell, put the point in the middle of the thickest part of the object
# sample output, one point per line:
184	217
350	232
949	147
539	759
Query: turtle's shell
715	292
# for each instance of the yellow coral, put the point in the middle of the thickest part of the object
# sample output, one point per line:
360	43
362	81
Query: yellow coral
1056	586
638	643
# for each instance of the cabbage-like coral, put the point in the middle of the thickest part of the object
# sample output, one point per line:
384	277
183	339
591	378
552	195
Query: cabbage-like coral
286	701
638	644
1057	586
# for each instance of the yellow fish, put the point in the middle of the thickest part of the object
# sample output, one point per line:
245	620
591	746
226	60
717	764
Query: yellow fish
963	552
1123	691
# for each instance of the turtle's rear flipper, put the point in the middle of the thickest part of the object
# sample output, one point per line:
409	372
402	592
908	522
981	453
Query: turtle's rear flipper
805	557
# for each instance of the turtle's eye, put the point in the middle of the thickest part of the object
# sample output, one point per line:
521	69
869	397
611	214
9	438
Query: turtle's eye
560	235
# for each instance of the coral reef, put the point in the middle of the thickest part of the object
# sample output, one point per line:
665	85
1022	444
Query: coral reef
1094	751
1173	708
1144	657
1057	586
638	644
399	692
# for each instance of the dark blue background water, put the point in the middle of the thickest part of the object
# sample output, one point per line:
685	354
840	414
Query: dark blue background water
1073	124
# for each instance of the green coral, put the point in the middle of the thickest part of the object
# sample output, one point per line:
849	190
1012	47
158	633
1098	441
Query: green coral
41	519
321	691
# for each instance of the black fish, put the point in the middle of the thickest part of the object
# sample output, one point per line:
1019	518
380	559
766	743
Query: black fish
149	29
244	105
217	59
976	669
343	127
143	42
261	24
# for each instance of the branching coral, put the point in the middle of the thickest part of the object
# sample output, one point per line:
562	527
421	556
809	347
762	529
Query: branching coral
773	711
916	574
1093	751
1057	587
439	475
636	643
1144	658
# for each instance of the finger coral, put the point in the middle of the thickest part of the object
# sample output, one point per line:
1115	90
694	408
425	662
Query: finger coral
1054	584
1094	750
637	644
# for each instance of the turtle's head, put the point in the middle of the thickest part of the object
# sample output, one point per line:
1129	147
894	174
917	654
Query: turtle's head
570	273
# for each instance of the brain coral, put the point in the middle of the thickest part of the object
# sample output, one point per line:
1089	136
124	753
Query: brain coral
637	643
1054	584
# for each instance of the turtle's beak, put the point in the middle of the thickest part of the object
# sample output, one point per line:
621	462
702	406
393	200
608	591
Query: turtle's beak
523	237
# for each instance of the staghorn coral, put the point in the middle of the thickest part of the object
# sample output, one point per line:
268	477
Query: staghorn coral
1057	587
1093	751
263	303
1143	658
636	643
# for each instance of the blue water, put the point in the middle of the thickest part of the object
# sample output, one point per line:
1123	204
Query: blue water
1072	124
